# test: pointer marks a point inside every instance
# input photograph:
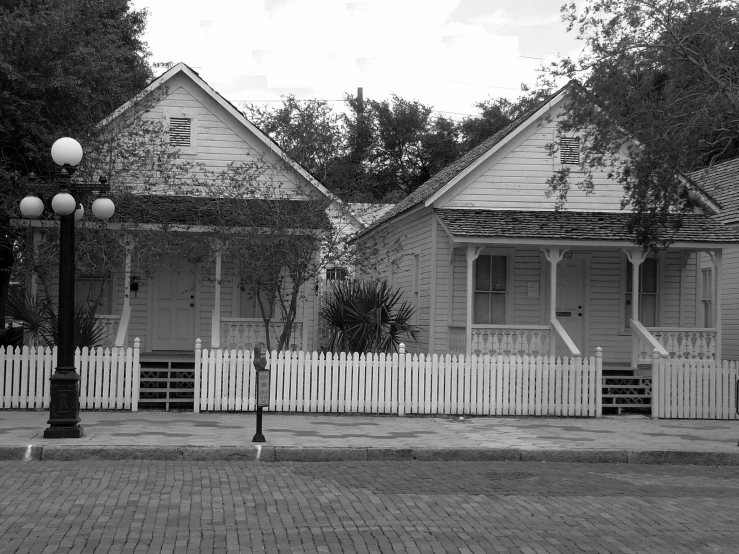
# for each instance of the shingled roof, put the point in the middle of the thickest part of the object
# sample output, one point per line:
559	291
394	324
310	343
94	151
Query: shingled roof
201	211
443	177
566	225
721	182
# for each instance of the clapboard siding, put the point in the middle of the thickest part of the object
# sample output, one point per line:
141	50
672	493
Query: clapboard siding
443	284
730	305
670	294
605	309
221	139
515	178
391	255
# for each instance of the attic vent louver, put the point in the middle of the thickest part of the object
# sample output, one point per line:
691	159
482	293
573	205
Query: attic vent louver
569	150
179	131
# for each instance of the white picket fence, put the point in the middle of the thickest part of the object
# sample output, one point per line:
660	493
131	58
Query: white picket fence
108	377
694	389
402	384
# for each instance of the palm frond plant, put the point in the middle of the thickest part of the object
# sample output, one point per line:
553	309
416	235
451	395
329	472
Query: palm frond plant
41	324
366	317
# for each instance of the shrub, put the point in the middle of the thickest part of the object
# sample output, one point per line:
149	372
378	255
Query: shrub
365	317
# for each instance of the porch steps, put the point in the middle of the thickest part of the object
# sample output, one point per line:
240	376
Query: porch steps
167	379
626	389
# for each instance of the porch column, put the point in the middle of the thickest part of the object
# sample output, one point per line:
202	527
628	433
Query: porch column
718	260
472	254
215	340
120	339
554	256
636	256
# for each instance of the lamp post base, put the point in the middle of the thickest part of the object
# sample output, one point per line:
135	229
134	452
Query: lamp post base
64	411
64	432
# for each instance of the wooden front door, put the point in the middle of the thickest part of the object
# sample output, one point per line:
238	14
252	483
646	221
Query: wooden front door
571	302
174	306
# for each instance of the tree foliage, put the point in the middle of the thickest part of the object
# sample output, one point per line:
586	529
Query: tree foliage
379	150
64	65
659	99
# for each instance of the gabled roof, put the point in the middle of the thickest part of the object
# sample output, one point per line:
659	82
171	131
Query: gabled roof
240	117
721	182
573	226
450	172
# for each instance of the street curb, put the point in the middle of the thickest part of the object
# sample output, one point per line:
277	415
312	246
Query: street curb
674	457
266	453
166	453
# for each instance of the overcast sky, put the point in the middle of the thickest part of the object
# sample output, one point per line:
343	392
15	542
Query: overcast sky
448	54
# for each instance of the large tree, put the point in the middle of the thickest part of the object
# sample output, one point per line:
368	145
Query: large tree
64	65
659	99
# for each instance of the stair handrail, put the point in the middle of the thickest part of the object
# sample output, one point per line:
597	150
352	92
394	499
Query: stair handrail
644	334
120	339
569	343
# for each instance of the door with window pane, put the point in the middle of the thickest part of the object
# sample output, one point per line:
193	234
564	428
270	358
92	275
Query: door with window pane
174	306
491	287
570	305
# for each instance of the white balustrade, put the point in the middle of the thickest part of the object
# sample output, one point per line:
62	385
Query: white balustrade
517	340
680	343
243	333
109	324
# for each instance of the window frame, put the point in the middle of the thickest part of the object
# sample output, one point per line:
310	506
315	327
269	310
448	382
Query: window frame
105	279
624	328
509	255
707	303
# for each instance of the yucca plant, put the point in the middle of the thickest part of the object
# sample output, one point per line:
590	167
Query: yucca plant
366	317
41	324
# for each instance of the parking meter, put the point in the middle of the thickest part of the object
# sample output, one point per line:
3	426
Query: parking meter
262	385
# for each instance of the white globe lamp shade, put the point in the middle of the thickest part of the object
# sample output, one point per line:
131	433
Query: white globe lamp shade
79	213
64	204
66	151
32	206
103	208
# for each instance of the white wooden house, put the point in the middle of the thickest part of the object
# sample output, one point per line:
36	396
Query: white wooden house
721	183
492	268
183	301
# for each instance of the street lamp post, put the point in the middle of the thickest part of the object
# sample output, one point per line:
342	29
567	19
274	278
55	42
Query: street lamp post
64	411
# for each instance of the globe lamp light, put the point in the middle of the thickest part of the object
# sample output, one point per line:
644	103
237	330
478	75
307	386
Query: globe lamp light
63	204
32	206
66	151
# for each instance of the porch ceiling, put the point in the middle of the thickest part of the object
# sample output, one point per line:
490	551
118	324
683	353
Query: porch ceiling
573	226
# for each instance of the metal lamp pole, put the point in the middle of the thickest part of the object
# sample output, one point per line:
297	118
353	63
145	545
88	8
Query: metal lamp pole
64	410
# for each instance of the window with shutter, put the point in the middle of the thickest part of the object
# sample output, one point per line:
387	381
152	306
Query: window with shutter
569	150
179	131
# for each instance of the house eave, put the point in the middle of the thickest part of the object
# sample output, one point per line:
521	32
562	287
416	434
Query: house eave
581	244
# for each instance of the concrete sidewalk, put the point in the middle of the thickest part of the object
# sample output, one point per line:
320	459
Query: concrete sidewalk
319	437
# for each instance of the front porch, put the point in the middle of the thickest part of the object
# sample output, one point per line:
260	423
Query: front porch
567	300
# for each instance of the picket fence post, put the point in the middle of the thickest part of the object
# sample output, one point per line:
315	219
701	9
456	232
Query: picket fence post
599	382
655	384
136	375
401	379
196	391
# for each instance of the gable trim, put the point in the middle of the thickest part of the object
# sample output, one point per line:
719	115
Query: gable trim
228	107
496	147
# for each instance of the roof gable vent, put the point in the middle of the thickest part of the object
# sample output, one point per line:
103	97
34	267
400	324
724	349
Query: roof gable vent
179	131
569	150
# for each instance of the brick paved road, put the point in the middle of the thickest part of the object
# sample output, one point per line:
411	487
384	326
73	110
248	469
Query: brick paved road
420	507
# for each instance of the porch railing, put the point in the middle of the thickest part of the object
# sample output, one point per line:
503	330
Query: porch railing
243	333
679	343
110	325
501	340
